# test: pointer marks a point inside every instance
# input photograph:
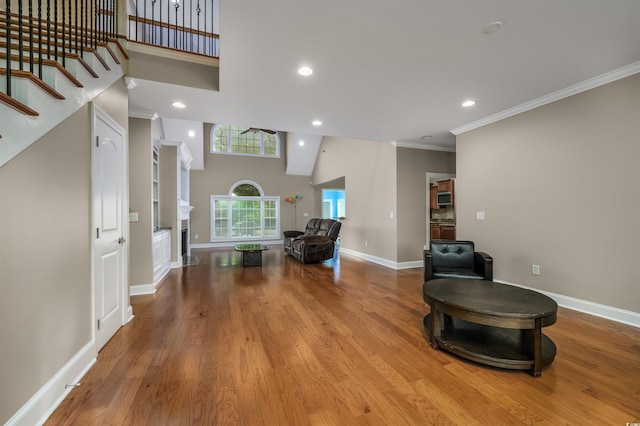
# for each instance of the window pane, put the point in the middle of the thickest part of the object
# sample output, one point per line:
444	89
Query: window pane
221	138
220	219
270	145
246	190
244	140
235	139
245	143
245	218
270	219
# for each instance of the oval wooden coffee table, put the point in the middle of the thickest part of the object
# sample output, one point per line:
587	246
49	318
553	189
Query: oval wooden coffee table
490	323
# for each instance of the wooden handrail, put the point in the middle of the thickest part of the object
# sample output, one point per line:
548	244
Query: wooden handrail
188	30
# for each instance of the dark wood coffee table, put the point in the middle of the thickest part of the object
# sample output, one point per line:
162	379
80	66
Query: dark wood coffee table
490	323
251	253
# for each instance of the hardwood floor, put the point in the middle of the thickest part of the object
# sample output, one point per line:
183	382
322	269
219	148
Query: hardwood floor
339	343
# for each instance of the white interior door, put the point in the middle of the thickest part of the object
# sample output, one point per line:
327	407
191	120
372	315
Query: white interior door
109	261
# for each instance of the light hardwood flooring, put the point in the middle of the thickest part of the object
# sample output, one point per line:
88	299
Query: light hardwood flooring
339	343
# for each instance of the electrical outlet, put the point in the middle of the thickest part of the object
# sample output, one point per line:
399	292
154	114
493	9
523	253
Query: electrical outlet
366	243
195	236
535	269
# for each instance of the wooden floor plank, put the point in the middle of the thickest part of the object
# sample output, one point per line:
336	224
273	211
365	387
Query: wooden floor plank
338	343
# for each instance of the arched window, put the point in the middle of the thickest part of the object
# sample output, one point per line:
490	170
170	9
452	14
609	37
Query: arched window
245	213
242	140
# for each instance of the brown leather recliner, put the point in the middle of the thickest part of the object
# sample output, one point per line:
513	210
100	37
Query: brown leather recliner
316	243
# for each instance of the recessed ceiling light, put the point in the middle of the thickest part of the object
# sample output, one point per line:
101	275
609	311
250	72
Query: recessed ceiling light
305	71
301	143
191	133
468	103
316	123
178	104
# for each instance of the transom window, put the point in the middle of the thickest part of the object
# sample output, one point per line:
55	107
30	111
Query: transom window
245	213
241	140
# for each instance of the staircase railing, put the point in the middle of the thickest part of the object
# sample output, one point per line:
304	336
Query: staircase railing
186	25
35	32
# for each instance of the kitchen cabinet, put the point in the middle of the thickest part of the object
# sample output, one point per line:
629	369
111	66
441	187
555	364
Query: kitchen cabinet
435	231
446	186
442	231
433	197
447	232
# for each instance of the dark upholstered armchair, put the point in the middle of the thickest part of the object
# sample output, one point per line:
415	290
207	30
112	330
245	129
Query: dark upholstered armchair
456	259
316	243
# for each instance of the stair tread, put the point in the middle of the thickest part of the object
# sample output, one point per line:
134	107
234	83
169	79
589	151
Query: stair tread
36	80
17	105
49	63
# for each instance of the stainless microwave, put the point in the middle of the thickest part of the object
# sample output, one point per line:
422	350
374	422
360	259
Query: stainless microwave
444	199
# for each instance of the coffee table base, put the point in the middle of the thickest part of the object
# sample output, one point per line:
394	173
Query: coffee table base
495	346
251	253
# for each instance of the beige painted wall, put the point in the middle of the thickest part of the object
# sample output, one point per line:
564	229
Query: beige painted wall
413	165
369	169
140	201
559	185
222	171
169	169
45	246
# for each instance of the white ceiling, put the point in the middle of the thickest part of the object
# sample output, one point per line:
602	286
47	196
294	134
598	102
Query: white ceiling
398	70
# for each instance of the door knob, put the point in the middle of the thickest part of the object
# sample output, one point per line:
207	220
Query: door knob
121	240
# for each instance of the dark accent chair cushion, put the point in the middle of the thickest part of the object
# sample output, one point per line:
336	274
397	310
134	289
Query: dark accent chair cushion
456	259
316	243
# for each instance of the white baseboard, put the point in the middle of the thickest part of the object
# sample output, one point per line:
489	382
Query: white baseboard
139	289
591	308
382	261
46	400
129	314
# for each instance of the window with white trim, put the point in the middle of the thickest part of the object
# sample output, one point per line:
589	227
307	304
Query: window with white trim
244	214
242	140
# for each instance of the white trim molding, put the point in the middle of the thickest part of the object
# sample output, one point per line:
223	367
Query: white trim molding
381	261
552	97
140	289
591	308
50	396
418	145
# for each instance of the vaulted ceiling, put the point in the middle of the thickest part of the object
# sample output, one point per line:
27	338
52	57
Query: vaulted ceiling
399	70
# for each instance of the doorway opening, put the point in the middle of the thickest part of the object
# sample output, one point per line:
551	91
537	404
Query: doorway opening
438	216
334	204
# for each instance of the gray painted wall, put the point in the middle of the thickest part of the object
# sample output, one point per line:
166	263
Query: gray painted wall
559	185
45	254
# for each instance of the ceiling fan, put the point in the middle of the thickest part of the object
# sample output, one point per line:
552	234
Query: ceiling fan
256	130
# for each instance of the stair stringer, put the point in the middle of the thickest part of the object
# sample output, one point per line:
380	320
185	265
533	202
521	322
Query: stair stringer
19	131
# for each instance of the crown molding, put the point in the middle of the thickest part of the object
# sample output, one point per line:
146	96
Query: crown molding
138	113
420	145
592	83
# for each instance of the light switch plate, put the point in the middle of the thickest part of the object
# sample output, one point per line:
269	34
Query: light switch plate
480	215
133	216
